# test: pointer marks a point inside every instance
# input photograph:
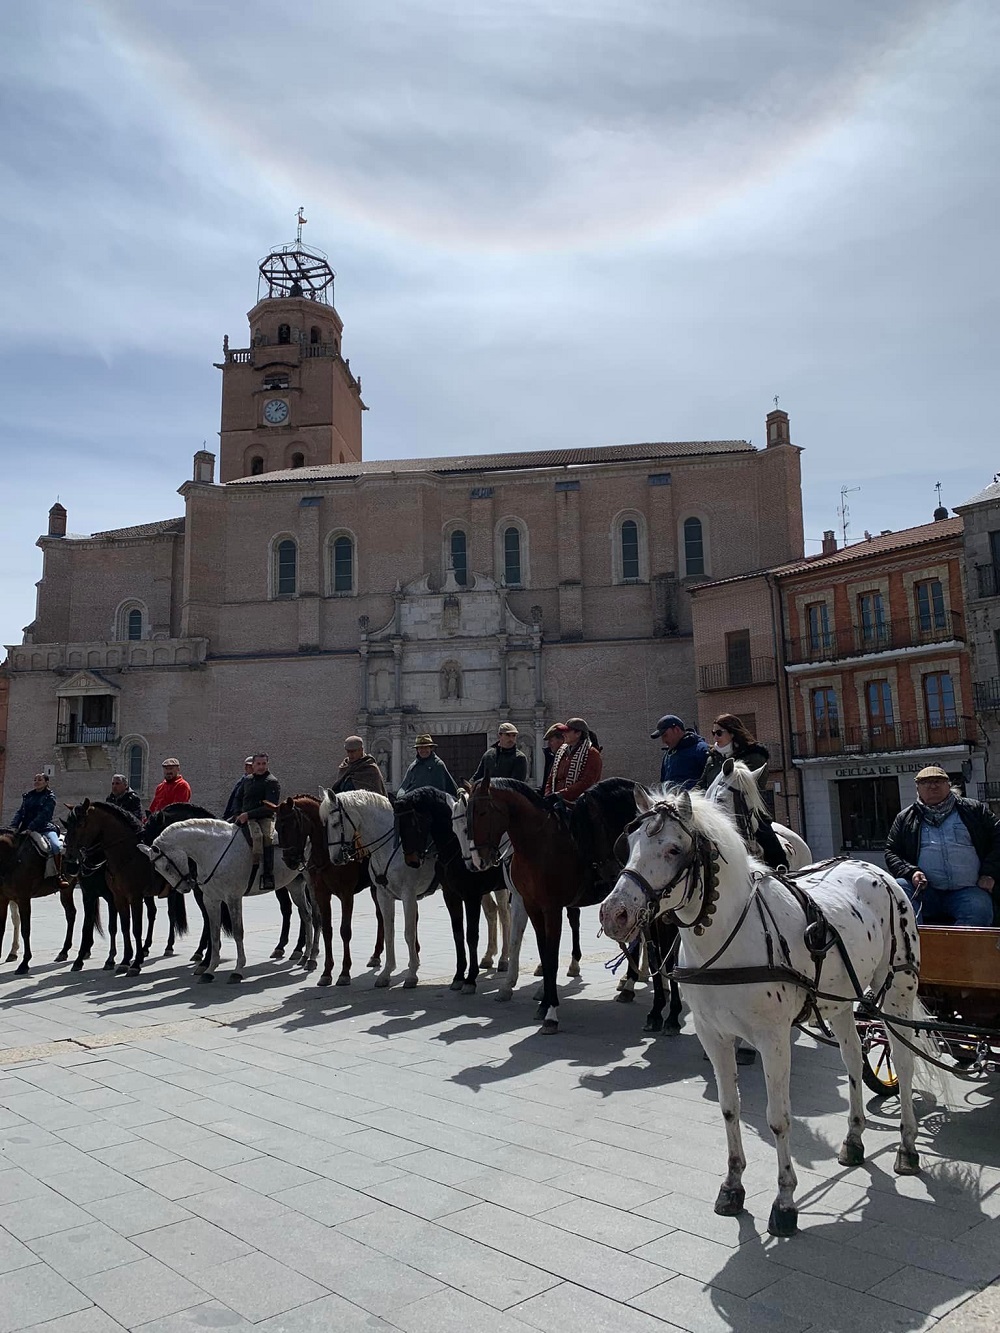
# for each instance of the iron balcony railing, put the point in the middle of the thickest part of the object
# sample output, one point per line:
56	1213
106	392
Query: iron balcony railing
734	675
78	733
854	740
989	791
857	640
988	580
987	695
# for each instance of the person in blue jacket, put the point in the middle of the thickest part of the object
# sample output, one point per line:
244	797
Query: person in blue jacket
684	752
35	815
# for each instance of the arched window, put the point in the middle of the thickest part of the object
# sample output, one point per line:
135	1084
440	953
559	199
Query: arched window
256	465
134	626
285	560
343	565
314	335
135	765
458	550
130	621
694	547
298	460
284	333
512	557
629	537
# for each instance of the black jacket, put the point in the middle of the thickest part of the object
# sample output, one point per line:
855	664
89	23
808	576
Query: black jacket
255	789
233	806
128	800
36	811
903	846
499	763
753	756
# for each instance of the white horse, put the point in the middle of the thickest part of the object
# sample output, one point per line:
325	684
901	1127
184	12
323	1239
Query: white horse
215	857
736	789
686	858
362	823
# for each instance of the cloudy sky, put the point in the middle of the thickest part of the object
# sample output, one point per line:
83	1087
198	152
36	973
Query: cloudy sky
553	222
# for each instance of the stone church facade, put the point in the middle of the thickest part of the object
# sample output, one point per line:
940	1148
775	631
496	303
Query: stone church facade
310	593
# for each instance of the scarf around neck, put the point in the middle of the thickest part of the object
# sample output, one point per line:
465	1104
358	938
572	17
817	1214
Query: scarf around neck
937	814
577	760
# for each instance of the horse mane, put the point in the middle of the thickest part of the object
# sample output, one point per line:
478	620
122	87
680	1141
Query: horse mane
520	788
433	802
305	796
361	796
123	816
709	819
743	777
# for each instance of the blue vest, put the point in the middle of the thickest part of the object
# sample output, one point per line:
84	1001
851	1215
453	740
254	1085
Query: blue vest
947	856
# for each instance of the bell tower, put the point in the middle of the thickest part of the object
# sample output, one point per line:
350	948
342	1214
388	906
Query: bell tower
289	399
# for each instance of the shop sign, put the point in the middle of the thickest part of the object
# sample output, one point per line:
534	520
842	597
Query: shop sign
880	770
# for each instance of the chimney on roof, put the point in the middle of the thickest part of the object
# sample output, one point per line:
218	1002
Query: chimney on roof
829	542
57	521
777	427
204	466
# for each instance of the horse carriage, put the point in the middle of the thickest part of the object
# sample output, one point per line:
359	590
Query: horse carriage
960	989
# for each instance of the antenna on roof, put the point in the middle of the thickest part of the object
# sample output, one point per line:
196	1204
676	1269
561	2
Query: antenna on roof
845	510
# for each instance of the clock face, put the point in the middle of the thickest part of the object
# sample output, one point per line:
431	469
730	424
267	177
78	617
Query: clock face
275	411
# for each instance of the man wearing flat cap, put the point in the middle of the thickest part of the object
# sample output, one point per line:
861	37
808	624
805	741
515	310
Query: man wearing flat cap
173	790
577	765
944	850
504	759
554	739
685	753
427	770
358	770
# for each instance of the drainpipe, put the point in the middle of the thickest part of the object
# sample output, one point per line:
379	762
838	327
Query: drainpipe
784	713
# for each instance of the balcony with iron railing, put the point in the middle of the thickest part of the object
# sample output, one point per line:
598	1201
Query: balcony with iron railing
987	695
78	733
989	791
988	580
884	738
737	674
887	636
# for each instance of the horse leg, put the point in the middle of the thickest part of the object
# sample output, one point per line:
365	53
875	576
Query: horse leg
548	930
721	1050
625	991
346	920
285	905
518	922
3	924
654	1019
386	905
302	898
453	902
410	935
502	899
573	916
213	910
844	1028
140	953
376	957
776	1056
303	939
15	944
91	904
324	900
147	943
25	910
902	1000
69	907
236	917
491	912
205	942
473	911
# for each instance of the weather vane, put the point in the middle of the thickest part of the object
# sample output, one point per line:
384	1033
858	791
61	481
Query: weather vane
302	222
775	400
938	489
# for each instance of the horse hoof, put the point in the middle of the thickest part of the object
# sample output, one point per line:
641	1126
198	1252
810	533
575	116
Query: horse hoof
542	1010
77	965
539	972
549	1027
199	970
235	978
21	971
574	969
502	965
325	980
673	1027
503	996
456	984
195	957
121	969
344	979
730	1201
109	966
310	965
486	964
62	957
851	1154
134	971
11	957
374	961
653	1024
381	983
205	978
783	1221
278	953
746	1055
85	955
409	983
907	1163
625	997
168	953
468	988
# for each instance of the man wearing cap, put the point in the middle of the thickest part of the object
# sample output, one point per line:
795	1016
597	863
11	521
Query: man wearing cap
503	760
233	805
685	753
944	850
577	765
427	770
358	771
173	790
554	739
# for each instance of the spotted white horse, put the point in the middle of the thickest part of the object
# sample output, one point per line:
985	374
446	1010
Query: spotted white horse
687	859
736	789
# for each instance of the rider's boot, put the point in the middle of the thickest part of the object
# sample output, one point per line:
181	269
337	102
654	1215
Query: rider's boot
267	869
61	879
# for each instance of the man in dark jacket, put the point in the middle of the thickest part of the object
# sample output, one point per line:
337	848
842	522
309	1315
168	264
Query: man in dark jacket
684	752
259	796
427	770
233	805
555	739
945	853
358	771
503	760
122	795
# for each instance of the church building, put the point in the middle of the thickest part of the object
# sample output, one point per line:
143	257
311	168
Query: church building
308	592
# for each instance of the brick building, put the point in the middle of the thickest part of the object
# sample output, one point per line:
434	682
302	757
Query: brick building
312	593
856	663
981	541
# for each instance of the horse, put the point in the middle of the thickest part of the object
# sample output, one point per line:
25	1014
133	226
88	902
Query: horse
22	878
362	824
101	835
216	858
15	926
302	839
426	816
759	955
736	788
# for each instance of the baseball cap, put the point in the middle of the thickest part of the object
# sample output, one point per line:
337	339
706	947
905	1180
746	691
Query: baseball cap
667	720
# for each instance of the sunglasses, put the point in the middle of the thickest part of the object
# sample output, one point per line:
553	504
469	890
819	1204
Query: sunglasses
716	731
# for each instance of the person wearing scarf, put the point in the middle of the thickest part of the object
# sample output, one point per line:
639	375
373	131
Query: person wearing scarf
944	851
577	764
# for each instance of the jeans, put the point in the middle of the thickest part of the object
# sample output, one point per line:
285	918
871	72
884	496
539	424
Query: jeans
958	907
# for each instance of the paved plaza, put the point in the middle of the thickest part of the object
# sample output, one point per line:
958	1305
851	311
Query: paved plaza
284	1158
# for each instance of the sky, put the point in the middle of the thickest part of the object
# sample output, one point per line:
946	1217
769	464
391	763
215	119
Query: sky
553	224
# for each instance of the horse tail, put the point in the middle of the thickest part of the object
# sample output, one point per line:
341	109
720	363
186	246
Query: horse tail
227	921
98	923
177	912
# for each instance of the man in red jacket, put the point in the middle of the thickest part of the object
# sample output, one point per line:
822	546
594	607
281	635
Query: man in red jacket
173	790
577	764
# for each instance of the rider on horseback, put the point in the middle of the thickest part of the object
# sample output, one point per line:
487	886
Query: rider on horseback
34	819
259	797
733	740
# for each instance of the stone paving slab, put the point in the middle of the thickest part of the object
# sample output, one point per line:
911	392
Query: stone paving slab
178	1157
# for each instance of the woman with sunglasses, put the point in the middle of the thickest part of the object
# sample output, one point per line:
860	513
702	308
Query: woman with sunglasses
732	740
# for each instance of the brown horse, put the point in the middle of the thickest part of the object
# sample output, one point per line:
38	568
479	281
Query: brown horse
22	879
301	832
547	868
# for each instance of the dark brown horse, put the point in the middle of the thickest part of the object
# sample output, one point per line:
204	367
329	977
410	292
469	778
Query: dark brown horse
22	879
547	867
302	839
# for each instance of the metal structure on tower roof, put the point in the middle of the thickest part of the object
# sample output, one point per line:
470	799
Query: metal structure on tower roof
296	269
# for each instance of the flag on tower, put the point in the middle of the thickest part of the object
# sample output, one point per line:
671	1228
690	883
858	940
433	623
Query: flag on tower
302	220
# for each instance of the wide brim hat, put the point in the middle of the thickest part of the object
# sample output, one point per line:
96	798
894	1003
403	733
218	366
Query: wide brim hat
424	740
932	771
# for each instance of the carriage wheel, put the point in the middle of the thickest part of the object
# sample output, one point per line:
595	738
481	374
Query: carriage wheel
877	1071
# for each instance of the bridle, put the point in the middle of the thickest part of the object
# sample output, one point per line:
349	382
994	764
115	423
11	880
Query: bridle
355	848
700	868
489	852
190	876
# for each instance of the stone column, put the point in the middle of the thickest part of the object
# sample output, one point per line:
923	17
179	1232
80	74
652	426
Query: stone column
502	647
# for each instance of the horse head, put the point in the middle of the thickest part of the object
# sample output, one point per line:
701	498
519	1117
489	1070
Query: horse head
486	825
412	828
290	826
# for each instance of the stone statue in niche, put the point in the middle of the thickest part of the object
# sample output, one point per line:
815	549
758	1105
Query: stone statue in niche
451	681
383	761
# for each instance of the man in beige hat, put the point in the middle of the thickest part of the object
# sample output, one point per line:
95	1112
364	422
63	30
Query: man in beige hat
504	759
358	770
427	770
944	850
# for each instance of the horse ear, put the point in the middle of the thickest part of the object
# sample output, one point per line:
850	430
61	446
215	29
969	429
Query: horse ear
728	766
86	803
684	804
643	800
756	772
67	805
